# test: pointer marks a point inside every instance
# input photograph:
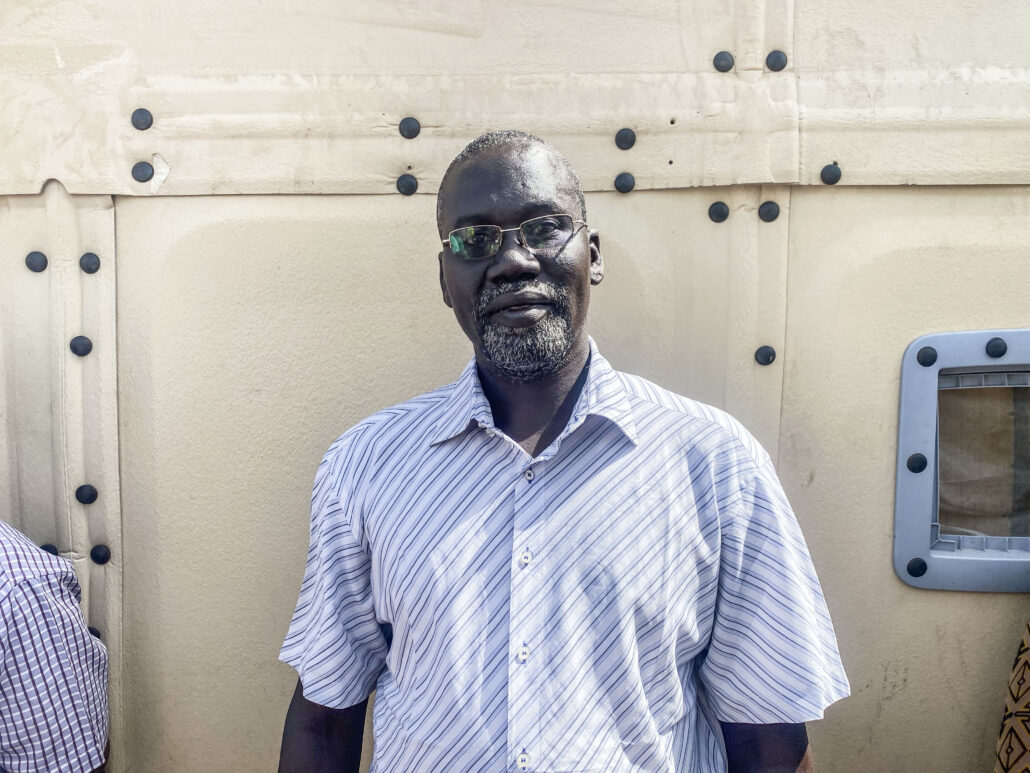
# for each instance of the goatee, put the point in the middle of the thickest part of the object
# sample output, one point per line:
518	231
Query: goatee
527	353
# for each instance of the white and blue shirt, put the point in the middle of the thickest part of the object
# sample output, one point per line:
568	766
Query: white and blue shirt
596	609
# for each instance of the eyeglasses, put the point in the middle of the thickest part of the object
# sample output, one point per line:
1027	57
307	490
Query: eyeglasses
546	235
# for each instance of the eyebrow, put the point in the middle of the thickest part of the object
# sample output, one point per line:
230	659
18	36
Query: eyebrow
535	209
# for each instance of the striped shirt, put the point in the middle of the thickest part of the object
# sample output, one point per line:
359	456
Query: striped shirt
53	674
598	608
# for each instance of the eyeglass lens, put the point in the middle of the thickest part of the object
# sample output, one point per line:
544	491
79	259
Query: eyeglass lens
545	235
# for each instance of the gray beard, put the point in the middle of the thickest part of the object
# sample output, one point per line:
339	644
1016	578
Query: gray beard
527	353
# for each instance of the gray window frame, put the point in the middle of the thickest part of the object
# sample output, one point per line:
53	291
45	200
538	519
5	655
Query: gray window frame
922	556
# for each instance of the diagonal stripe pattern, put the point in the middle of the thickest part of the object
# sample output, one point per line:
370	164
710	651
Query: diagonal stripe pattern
598	608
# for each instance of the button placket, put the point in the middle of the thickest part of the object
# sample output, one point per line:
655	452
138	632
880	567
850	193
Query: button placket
522	702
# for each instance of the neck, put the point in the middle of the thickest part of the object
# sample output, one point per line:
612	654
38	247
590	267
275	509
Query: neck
534	413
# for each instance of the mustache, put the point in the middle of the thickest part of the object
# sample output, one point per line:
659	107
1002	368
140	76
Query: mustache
556	295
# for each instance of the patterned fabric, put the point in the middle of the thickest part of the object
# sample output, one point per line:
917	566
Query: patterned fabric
53	673
1014	740
597	608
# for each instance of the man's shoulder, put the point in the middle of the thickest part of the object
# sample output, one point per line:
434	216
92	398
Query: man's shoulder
405	423
22	562
713	428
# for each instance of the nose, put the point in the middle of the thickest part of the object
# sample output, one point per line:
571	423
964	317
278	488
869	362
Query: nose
513	261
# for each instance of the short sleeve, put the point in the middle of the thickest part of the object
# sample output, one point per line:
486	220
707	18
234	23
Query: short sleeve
335	641
773	654
53	681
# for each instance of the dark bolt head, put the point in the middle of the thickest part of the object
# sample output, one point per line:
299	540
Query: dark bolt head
723	61
916	463
409	128
89	263
142	171
996	347
830	174
81	346
776	61
624	182
769	211
764	355
94	632
625	138
51	549
718	212
86	494
407	184
142	119
926	356
916	567
100	554
36	261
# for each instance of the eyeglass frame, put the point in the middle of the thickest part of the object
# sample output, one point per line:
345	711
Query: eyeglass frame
521	238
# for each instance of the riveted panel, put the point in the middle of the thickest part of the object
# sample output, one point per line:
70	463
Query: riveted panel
60	408
237	107
929	92
870	270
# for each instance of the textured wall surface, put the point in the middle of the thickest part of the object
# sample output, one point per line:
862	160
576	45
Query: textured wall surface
236	333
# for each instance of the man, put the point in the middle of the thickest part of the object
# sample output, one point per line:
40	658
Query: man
550	565
53	672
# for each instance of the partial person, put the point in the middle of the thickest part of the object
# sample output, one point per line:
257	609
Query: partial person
53	673
549	565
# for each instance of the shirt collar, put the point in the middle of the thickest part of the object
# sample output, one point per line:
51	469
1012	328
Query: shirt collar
604	395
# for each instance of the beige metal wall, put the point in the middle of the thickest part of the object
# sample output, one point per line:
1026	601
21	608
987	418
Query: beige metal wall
236	332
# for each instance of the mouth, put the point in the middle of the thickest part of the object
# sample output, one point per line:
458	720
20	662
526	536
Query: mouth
518	302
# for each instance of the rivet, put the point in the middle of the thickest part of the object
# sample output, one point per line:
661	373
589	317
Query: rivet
142	171
769	211
830	174
86	494
625	138
409	128
81	346
89	263
36	261
51	549
407	184
94	632
764	355
916	567
996	347
916	463
142	119
723	61
776	60
100	554
926	356
624	183
719	211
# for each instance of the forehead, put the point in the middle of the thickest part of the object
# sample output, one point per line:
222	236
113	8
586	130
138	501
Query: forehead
508	183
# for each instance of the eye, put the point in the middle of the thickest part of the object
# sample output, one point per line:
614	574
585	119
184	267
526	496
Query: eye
544	228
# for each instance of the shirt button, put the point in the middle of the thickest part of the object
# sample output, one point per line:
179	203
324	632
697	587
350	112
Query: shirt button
530	474
491	433
526	557
522	761
522	655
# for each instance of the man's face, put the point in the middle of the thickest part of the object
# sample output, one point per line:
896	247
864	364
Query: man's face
525	312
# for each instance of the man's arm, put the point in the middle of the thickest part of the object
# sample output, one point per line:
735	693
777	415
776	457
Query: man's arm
318	739
53	680
779	748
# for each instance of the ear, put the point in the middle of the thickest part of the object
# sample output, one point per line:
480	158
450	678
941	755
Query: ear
596	259
443	284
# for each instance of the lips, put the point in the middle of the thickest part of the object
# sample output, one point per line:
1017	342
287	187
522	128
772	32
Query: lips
517	301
